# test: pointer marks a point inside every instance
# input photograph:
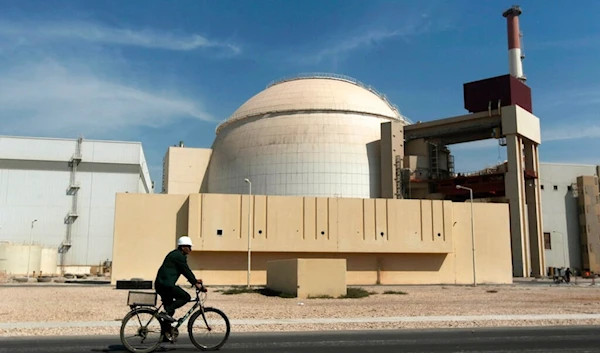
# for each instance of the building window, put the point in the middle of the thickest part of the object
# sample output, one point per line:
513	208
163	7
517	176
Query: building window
547	242
555	187
569	187
542	186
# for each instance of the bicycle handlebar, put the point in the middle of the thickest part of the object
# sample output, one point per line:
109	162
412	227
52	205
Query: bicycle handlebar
201	289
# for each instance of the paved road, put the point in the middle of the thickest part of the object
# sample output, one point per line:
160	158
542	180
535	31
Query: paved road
541	340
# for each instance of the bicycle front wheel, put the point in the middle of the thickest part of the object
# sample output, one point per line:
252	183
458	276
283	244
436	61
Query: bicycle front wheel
210	331
141	331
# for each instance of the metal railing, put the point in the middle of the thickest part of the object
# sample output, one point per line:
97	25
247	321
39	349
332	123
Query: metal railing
485	171
342	78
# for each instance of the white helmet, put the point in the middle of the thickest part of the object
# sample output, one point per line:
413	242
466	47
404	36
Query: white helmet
185	241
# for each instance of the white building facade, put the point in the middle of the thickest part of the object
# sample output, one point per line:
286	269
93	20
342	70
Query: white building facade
562	239
60	193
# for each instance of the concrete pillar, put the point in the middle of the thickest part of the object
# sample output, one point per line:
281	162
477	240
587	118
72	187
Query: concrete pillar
515	192
534	211
392	145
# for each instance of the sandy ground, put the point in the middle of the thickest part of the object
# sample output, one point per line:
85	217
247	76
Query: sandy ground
104	303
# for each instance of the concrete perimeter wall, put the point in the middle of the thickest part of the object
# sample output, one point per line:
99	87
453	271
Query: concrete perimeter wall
386	241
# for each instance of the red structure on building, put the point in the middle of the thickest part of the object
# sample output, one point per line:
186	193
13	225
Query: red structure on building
484	185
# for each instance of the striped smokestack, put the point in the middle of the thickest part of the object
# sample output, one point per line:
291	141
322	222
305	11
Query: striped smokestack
515	64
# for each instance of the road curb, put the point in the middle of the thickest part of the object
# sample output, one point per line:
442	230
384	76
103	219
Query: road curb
256	322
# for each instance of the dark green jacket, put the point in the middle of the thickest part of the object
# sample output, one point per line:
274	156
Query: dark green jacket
174	265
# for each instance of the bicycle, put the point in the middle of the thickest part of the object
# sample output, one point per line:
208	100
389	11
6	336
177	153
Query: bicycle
145	303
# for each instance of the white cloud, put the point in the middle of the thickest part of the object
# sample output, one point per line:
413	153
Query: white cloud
570	43
356	42
33	33
52	98
374	31
571	132
48	88
360	41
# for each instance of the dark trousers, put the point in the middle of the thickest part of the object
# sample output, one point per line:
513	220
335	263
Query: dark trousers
173	298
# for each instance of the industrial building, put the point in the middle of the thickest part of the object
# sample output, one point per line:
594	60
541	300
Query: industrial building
328	164
309	151
330	175
570	213
59	195
564	222
568	194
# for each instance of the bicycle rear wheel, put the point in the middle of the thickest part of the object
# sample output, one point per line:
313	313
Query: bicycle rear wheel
141	325
212	333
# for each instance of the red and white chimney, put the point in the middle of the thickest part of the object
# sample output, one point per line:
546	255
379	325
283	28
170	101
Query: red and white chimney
515	56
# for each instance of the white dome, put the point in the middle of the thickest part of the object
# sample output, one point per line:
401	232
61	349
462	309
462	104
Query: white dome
310	136
316	92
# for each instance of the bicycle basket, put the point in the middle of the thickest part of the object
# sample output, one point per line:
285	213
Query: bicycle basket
141	298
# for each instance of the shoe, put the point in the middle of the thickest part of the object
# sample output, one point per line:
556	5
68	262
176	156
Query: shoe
166	317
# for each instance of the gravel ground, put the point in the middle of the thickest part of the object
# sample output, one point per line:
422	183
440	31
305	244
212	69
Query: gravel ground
104	303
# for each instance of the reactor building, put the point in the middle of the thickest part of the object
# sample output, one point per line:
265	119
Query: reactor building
311	135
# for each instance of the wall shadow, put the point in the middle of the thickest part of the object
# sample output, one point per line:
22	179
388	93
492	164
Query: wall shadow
374	159
237	261
573	241
182	220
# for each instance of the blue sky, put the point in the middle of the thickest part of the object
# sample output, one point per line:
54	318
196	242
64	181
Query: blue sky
164	71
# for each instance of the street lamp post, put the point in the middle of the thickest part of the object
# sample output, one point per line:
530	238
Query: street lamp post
472	232
30	244
249	227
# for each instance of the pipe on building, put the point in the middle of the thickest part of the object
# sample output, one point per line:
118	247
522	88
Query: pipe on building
515	55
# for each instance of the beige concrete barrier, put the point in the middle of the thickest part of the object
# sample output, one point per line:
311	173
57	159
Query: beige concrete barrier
308	277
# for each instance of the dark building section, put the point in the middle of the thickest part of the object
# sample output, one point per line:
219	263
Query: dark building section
492	93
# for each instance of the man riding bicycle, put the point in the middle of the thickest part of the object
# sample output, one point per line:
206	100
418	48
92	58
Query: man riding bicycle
175	265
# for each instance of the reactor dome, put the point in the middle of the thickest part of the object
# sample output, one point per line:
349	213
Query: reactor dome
310	135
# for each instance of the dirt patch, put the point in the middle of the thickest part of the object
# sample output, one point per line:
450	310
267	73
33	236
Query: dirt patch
104	303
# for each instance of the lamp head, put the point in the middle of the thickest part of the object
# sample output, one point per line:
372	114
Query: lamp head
458	186
247	180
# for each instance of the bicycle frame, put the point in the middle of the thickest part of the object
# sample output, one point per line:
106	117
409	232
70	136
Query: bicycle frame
198	303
